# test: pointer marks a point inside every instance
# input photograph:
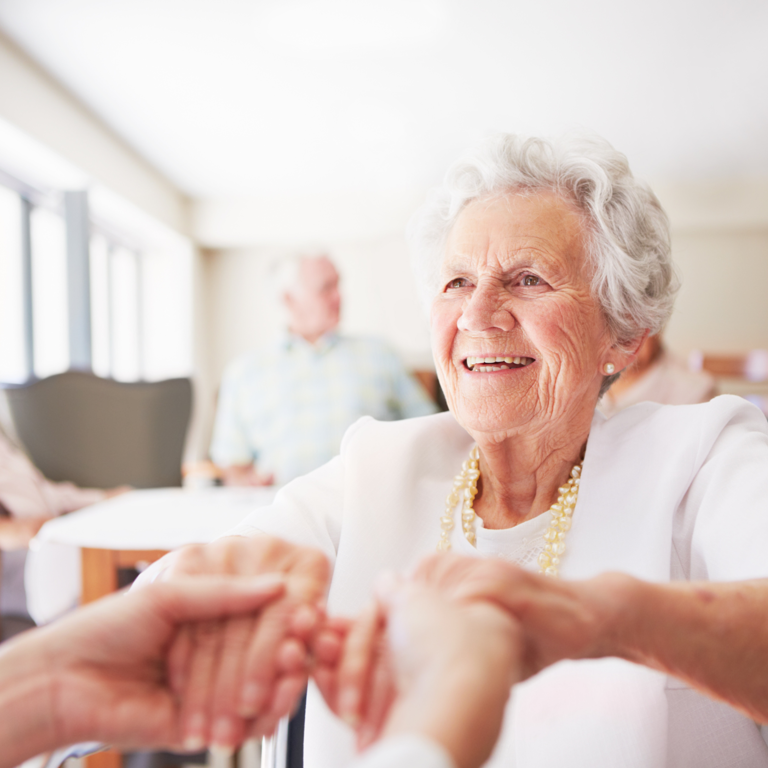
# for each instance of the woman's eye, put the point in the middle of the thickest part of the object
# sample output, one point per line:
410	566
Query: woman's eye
457	282
530	280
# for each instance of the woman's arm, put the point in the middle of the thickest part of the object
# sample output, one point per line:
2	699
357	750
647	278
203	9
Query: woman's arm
714	636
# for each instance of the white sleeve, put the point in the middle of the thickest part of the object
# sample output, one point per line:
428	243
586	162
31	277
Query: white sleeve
727	503
406	751
308	511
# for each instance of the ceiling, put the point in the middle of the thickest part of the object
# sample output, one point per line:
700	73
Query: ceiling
233	98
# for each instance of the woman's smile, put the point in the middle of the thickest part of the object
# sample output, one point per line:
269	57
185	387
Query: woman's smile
492	364
517	333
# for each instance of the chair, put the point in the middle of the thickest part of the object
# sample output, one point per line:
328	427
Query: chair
102	433
751	366
744	374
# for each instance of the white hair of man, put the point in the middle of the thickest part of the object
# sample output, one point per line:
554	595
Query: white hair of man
629	244
285	271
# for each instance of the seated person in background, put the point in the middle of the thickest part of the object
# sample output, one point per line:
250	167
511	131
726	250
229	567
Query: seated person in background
283	409
657	376
27	500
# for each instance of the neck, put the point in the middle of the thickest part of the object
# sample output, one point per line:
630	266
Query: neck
519	477
309	337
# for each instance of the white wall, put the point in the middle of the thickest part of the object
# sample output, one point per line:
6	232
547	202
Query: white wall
723	304
720	246
34	102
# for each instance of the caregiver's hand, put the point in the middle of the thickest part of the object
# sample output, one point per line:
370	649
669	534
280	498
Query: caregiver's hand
241	677
100	673
452	664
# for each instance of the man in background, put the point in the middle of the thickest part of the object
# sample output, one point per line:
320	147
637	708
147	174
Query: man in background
283	409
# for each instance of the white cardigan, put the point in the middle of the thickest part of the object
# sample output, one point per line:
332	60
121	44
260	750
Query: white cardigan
666	492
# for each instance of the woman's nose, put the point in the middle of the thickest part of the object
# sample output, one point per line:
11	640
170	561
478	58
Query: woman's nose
487	309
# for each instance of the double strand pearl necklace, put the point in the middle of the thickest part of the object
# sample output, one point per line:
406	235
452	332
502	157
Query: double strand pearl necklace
465	489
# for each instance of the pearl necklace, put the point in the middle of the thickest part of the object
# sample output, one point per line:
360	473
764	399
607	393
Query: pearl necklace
465	489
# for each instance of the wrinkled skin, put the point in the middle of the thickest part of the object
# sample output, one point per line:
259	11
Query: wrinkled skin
515	282
240	678
100	673
422	662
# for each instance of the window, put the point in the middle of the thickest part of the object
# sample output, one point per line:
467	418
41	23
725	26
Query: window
125	298
101	316
13	362
49	292
140	297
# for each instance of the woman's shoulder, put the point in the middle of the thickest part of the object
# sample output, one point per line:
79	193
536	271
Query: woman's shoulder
669	428
718	411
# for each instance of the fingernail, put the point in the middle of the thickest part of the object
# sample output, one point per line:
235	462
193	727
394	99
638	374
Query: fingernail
305	618
269	580
348	707
220	756
251	699
222	734
366	736
387	585
193	744
193	739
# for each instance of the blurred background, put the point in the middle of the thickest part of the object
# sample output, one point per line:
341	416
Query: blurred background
158	158
212	138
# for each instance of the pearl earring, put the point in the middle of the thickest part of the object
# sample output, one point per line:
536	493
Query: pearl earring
609	368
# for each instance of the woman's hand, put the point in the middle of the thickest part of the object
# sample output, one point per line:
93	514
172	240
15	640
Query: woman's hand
559	619
101	674
353	671
246	669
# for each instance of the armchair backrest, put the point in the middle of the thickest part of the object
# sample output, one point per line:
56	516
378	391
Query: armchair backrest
102	433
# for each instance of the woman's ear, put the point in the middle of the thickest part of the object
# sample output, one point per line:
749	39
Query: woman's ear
622	356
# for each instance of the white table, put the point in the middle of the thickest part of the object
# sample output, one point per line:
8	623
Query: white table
151	520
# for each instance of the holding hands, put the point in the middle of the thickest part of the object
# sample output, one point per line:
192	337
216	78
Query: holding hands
239	676
436	655
100	673
219	649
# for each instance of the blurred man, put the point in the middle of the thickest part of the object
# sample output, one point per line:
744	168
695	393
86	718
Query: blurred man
284	409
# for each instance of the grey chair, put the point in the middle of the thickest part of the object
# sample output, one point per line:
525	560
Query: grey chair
102	433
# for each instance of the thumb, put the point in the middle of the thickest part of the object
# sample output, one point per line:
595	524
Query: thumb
200	598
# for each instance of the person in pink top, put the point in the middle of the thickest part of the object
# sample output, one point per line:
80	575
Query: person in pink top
657	376
27	500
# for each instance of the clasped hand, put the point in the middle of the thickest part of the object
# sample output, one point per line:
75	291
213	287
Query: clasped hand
237	677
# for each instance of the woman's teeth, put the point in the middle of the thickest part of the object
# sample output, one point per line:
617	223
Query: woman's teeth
489	364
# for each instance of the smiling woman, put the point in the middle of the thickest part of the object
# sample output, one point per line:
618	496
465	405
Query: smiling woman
545	264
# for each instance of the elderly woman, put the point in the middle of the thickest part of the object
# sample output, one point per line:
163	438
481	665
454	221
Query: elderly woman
545	264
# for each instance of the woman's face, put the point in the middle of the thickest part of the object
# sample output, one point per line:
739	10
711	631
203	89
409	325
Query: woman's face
515	290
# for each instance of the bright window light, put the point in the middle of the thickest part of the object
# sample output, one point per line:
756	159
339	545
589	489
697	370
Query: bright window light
100	310
167	313
49	293
13	366
124	292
